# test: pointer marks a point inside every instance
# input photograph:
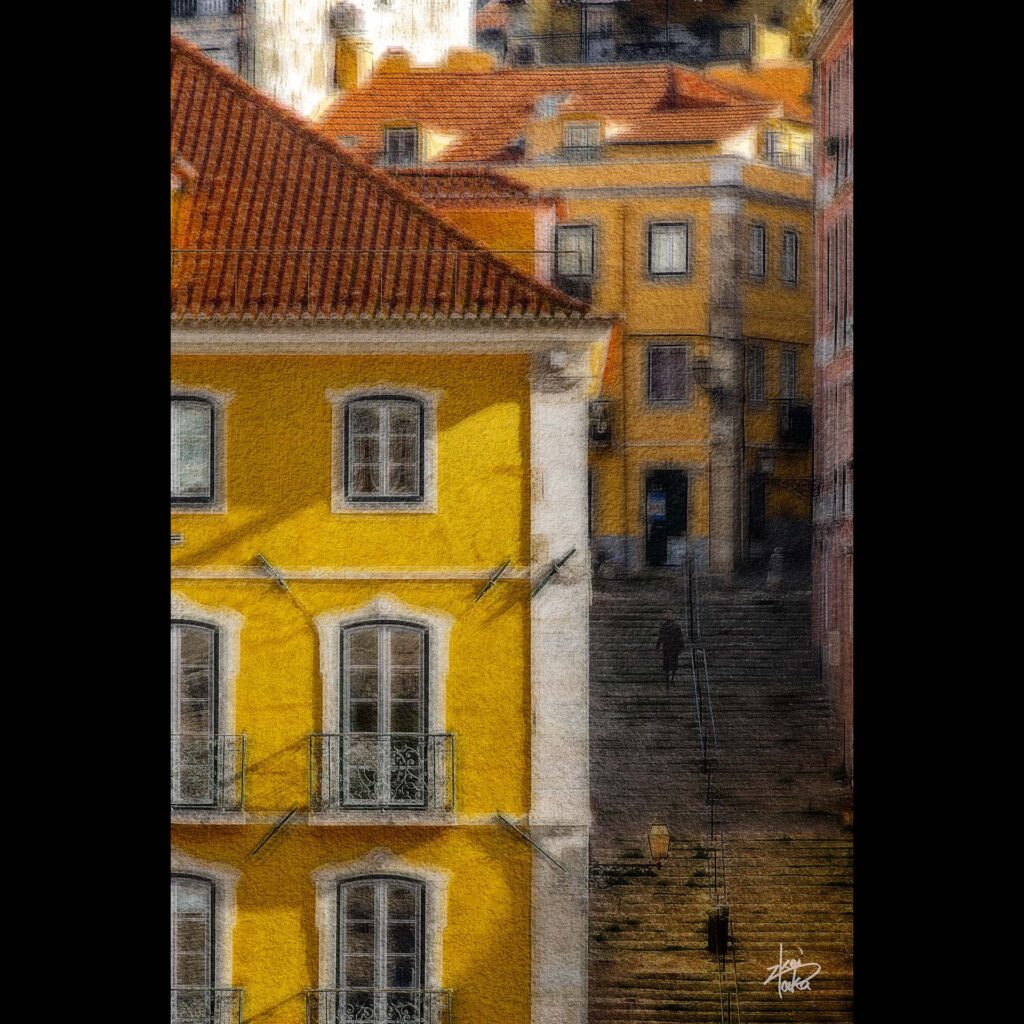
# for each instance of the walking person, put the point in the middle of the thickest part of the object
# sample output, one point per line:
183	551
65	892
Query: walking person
670	643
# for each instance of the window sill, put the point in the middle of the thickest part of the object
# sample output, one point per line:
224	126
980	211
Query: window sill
374	816
207	816
424	506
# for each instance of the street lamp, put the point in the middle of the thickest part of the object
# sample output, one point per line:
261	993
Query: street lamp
658	841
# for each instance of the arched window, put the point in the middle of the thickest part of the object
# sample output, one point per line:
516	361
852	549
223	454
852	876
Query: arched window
193	970
384	449
194	724
384	714
380	951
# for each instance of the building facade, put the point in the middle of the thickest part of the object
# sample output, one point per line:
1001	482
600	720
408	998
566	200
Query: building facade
832	49
379	748
685	208
693	32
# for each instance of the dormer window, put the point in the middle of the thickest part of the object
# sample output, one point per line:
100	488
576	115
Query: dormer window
401	147
582	142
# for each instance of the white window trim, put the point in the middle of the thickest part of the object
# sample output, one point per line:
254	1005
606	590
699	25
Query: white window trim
340	503
381	861
228	624
219	400
225	880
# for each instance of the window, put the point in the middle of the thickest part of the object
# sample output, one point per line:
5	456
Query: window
401	147
668	376
192	447
668	249
789	257
384	450
380	944
192	949
772	145
756	252
384	691
193	714
787	374
574	251
582	141
755	375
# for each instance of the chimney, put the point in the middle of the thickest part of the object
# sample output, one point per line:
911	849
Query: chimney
458	59
395	61
353	51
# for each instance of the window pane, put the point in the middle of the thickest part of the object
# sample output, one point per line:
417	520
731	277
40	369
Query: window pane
191	449
192	678
359	902
757	251
668	248
789	249
668	374
405	716
575	247
362	716
403	903
191	924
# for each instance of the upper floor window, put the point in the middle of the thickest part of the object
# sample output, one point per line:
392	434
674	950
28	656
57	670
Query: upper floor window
787	374
192	449
192	949
772	145
380	942
574	249
755	375
194	765
384	452
401	147
756	252
668	373
668	249
790	244
581	141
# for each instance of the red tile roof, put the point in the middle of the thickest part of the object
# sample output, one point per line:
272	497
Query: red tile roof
486	111
474	186
283	223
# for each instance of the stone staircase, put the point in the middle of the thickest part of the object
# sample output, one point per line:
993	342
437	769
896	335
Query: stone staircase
788	864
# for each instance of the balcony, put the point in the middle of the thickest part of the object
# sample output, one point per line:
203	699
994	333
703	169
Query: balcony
790	161
207	773
372	771
580	154
205	8
600	422
794	424
378	1006
206	1006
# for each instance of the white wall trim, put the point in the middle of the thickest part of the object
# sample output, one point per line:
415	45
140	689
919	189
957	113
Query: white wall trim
225	880
385	606
228	623
220	401
338	399
381	861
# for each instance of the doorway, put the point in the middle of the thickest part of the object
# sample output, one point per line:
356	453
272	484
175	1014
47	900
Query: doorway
665	511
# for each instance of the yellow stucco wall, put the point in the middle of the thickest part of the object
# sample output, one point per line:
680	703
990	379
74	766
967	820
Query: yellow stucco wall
278	452
510	232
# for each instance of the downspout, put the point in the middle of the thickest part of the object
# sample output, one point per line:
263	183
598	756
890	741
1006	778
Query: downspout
623	304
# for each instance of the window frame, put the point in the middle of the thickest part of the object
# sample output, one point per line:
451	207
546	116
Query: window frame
559	229
754	402
185	501
758	278
211	885
214	701
795	235
669	275
219	401
396	129
687	400
386	499
788	352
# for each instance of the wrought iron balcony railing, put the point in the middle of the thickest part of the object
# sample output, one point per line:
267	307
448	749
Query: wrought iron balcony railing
208	772
794	424
382	771
205	8
378	1006
791	161
206	1006
581	154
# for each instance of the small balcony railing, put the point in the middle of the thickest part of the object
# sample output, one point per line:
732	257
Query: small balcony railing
378	1006
208	772
794	424
374	771
581	154
792	161
205	8
206	1006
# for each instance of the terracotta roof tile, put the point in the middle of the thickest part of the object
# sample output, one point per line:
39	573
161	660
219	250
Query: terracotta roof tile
283	223
447	186
486	111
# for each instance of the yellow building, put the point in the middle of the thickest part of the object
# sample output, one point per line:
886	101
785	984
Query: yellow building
379	779
685	207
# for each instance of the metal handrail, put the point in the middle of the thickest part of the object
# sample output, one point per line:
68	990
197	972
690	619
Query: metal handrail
415	1006
199	1005
208	772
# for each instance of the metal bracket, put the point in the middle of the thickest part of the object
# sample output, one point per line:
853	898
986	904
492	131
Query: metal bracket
508	823
283	584
552	572
278	825
494	578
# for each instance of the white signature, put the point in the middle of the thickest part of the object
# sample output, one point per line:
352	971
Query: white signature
795	983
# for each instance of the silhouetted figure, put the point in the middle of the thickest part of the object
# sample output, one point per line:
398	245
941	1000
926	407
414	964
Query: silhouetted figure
670	643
